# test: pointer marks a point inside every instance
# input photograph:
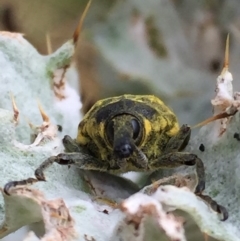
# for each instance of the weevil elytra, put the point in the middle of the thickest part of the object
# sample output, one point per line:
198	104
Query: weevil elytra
129	133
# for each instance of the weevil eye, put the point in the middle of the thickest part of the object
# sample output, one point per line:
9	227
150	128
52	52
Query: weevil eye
136	128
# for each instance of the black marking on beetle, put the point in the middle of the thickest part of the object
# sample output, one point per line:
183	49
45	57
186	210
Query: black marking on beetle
124	106
202	147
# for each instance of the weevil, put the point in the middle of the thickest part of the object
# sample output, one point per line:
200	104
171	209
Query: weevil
129	133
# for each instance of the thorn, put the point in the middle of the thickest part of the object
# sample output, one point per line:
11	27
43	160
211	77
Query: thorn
15	109
215	117
226	59
48	43
43	114
79	27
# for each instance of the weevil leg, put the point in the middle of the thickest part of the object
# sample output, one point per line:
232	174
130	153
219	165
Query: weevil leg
180	140
80	160
215	206
10	185
176	159
176	180
200	173
174	156
70	145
